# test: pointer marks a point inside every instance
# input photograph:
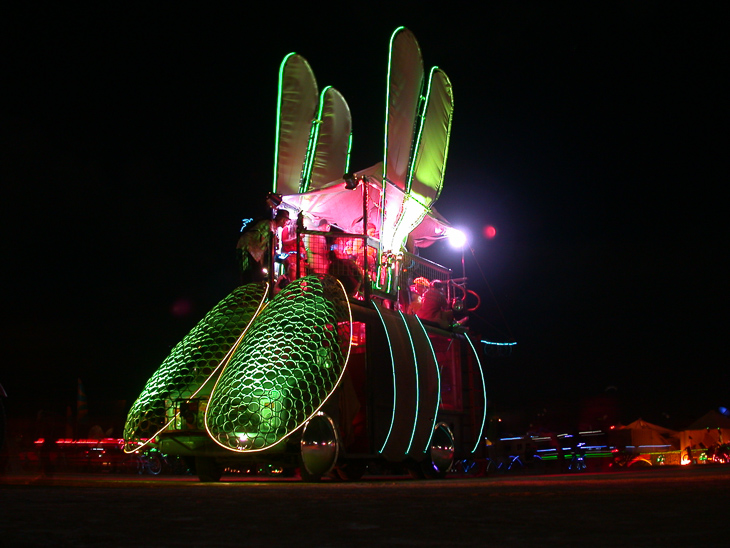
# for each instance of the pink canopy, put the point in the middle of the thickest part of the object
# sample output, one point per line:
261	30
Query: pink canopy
344	208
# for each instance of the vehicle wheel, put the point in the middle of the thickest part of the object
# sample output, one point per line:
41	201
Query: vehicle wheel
179	465
440	453
154	464
189	465
352	471
415	470
319	448
207	469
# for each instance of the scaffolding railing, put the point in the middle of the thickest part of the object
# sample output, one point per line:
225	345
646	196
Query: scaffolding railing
351	258
356	261
413	275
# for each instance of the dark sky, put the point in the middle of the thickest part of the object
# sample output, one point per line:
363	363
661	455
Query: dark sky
591	135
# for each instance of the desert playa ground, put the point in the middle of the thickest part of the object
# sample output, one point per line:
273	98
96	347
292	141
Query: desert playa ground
669	506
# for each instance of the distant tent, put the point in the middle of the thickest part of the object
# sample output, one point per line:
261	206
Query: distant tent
711	429
643	436
711	419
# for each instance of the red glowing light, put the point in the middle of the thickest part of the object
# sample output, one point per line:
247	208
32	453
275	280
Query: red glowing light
490	232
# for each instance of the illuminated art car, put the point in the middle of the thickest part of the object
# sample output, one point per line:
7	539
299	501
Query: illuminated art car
333	372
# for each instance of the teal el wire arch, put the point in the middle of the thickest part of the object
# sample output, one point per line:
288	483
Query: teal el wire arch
438	377
392	367
418	388
484	393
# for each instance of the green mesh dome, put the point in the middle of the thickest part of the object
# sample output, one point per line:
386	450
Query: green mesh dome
287	365
191	363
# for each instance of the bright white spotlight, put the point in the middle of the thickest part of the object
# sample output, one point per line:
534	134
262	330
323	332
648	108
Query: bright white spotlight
456	238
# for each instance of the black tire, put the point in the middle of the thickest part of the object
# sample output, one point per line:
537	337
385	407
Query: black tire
352	471
306	476
178	465
207	469
429	472
415	470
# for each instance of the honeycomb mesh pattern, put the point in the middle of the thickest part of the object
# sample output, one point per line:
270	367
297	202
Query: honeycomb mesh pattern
286	366
191	362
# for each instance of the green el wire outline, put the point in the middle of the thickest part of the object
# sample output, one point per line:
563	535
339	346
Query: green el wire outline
421	118
312	145
414	160
387	116
278	119
306	181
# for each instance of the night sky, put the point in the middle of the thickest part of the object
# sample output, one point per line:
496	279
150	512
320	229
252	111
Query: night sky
591	135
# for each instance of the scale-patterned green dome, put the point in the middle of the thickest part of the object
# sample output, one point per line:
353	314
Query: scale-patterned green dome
287	365
193	365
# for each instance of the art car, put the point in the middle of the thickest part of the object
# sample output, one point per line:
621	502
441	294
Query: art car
331	364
